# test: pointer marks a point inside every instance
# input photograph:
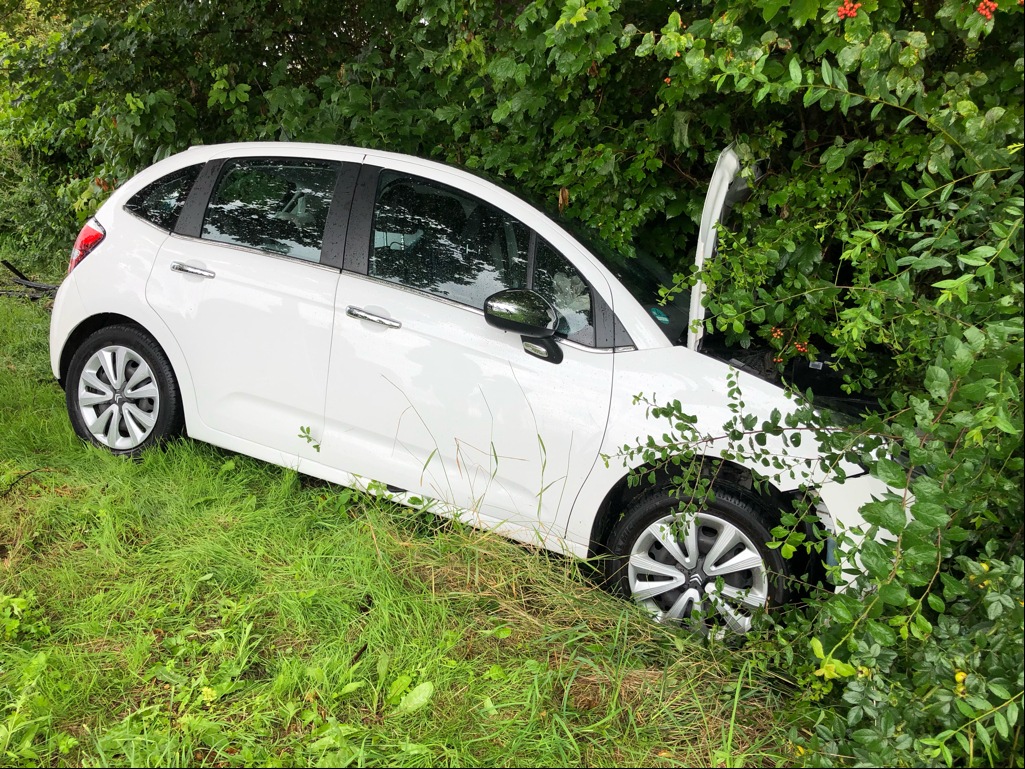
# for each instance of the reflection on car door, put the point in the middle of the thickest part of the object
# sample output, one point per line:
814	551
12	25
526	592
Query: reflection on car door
250	300
424	395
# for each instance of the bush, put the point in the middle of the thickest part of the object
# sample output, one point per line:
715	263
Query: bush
37	227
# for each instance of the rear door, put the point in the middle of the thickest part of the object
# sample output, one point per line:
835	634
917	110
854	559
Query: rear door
246	284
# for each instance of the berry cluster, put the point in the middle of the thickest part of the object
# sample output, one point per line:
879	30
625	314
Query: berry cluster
849	10
778	333
986	8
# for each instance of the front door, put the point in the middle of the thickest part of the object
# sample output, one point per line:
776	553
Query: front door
424	395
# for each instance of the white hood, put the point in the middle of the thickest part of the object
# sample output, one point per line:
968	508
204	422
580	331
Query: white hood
726	170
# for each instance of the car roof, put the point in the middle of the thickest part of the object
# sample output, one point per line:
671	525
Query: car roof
210	151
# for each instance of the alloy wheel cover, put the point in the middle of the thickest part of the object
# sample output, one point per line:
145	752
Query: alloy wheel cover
118	397
702	565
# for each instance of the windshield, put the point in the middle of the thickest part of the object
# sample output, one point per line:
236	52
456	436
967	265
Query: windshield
642	275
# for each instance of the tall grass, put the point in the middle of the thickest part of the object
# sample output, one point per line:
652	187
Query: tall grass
198	607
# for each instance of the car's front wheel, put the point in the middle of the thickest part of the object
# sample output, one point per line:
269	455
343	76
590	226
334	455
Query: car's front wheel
708	563
121	392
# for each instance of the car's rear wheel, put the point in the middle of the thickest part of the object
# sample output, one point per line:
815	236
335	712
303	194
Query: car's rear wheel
121	392
709	565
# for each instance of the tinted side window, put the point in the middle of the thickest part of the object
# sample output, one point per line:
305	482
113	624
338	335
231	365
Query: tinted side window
161	202
560	283
445	242
277	205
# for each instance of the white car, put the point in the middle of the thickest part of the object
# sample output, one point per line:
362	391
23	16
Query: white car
361	315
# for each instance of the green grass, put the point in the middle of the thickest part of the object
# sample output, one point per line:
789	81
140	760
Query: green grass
198	607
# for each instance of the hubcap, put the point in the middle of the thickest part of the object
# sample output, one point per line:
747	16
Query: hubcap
700	565
118	397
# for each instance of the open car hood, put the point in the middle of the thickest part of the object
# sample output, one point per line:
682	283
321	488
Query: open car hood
725	188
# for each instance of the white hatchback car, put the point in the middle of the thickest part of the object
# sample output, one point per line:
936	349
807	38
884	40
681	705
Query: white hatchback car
363	315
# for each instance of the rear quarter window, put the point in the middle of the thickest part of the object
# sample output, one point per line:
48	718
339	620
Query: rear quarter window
274	205
161	202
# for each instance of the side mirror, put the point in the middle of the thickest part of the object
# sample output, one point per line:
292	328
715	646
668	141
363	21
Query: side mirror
523	312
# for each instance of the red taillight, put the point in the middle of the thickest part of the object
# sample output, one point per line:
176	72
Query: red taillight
90	237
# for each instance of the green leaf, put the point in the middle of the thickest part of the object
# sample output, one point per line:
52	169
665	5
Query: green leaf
876	559
999	690
816	648
771	7
887	513
930	514
795	69
489	706
952	587
647	45
921	263
838	611
681	130
937	382
983	735
827	72
803	11
417	698
881	634
350	687
398	686
848	57
1000	722
977	256
893	594
503	68
891	473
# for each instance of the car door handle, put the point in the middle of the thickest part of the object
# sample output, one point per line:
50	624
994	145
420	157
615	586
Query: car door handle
190	270
356	312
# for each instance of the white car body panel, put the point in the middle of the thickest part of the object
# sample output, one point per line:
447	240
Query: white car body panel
698	382
64	320
460	413
91	290
447	408
270	317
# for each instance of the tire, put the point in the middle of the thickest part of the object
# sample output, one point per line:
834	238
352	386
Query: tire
653	563
121	391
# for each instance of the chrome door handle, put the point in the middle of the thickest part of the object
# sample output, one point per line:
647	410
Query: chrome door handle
190	270
356	312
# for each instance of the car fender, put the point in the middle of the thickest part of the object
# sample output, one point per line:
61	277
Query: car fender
701	385
124	297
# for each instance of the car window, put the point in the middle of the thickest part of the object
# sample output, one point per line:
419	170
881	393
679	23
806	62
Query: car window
561	283
645	278
439	240
277	205
161	202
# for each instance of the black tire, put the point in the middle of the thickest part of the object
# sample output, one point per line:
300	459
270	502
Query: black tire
144	405
672	584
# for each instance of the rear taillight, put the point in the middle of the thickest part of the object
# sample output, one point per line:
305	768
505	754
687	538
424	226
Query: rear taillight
90	237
